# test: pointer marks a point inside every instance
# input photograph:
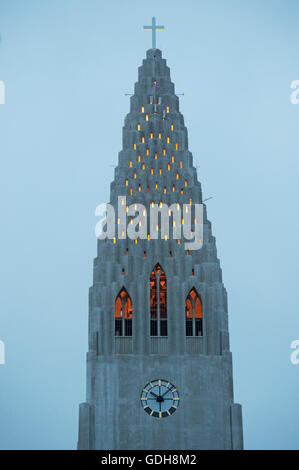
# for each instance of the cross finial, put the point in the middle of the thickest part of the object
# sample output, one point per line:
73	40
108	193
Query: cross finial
153	28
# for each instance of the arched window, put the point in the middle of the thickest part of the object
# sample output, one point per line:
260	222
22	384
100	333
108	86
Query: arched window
193	312
123	314
158	302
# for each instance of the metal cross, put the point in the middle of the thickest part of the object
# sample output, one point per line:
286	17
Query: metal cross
153	28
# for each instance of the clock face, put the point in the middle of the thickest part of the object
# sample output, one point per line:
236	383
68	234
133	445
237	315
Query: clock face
160	398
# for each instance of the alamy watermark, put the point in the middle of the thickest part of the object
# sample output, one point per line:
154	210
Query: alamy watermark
294	97
134	221
2	92
295	354
2	353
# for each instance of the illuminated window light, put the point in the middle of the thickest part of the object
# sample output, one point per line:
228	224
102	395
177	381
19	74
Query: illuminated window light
139	158
182	191
127	208
186	183
190	201
127	182
123	271
144	254
139	188
122	201
177	146
143	139
142	109
195	221
174	223
155	82
135	146
160	171
165	238
139	223
167	109
168	166
160	135
183	221
123	233
146	117
138	126
135	175
153	203
171	127
136	241
157	228
127	251
151	135
143	166
131	191
188	252
147	151
173	188
161	203
131	221
148	236
164	151
165	190
131	163
177	175
156	156
168	140
156	185
114	240
172	158
181	164
179	241
152	171
118	220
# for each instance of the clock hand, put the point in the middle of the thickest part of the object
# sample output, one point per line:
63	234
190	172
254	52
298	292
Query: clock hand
168	390
152	393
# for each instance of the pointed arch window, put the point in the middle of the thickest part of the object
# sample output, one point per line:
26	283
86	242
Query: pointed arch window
158	302
193	313
123	313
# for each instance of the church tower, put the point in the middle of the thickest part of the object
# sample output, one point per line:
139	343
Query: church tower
159	366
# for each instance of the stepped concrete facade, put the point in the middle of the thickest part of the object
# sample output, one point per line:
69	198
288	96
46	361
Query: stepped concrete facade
156	310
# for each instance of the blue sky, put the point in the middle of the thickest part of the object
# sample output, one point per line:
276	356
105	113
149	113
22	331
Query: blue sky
66	66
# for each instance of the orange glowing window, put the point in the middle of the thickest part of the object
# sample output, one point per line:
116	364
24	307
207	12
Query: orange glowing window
144	254
188	252
139	158
127	208
147	151
155	82
156	156
131	163
135	146
142	109
182	191
138	126
168	140
123	313
131	191
139	188
173	188
167	109
165	190
168	166
143	139
158	302
164	151
177	146
156	185
152	171
160	135
127	251
148	236
186	183
122	201
135	175
181	164
190	201
171	127
151	135
193	313
123	271
143	166
177	175
172	158
146	117
160	171
127	182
